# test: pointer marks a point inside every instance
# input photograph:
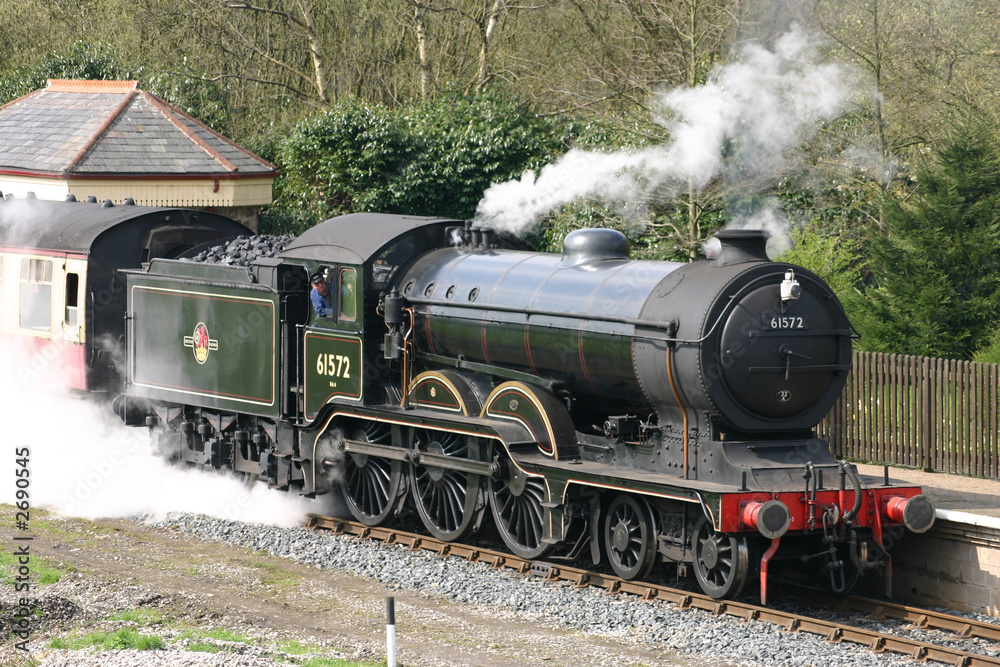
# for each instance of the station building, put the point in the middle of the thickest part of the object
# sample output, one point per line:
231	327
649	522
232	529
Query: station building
110	140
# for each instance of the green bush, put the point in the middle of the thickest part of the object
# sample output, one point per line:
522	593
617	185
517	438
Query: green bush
828	255
336	162
435	158
464	146
990	353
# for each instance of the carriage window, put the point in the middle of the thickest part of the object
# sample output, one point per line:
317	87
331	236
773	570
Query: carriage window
36	294
348	295
72	297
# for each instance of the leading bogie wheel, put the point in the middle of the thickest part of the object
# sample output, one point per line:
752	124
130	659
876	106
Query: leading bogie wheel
373	487
629	537
516	501
449	502
721	562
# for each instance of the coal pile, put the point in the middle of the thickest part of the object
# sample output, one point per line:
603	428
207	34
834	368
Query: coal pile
244	250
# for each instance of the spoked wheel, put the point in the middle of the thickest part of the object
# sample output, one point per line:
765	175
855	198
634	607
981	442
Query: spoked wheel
449	502
629	537
516	500
721	562
373	487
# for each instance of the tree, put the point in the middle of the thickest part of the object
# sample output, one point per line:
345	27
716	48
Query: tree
31	28
920	59
301	17
935	273
643	45
298	27
466	37
82	60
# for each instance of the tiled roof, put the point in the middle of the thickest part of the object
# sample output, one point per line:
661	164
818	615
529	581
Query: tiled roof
113	128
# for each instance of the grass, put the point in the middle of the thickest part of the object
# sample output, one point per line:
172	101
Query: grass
124	638
296	647
218	634
331	662
141	616
204	647
273	575
215	640
43	571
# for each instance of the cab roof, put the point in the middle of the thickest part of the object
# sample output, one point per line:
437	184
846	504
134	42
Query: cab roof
357	237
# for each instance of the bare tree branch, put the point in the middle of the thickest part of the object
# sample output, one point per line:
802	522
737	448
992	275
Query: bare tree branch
316	80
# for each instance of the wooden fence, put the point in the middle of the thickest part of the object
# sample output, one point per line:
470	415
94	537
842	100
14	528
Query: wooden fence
921	412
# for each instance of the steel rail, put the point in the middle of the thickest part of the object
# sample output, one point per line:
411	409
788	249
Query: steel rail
926	619
831	631
923	618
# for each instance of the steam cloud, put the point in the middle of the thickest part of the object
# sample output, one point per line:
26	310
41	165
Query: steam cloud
84	462
764	103
20	221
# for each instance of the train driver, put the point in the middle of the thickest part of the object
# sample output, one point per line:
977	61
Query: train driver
320	295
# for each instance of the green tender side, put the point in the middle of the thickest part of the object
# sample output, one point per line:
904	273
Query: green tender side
214	346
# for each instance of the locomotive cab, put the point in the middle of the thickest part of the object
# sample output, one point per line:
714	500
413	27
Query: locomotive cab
333	344
359	255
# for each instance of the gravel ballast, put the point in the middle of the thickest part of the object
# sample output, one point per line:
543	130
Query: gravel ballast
590	610
327	590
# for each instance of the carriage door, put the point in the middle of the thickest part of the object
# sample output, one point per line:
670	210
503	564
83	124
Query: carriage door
73	307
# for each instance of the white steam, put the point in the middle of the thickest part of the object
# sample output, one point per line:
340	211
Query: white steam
755	109
769	218
84	462
20	221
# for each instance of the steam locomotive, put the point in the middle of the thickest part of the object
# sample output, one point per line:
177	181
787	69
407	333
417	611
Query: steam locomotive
633	412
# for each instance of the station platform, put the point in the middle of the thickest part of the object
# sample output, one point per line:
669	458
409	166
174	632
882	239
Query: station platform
955	564
957	498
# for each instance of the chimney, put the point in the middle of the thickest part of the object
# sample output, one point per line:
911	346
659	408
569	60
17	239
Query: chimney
742	245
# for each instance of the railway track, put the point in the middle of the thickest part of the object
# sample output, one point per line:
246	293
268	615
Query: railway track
957	627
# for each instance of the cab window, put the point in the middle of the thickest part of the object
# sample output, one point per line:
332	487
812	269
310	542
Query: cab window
348	295
385	266
36	294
